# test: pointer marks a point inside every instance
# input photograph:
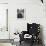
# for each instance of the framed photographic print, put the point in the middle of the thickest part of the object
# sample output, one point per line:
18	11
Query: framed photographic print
20	14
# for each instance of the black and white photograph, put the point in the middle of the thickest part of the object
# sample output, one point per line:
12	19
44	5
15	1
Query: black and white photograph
22	22
21	14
